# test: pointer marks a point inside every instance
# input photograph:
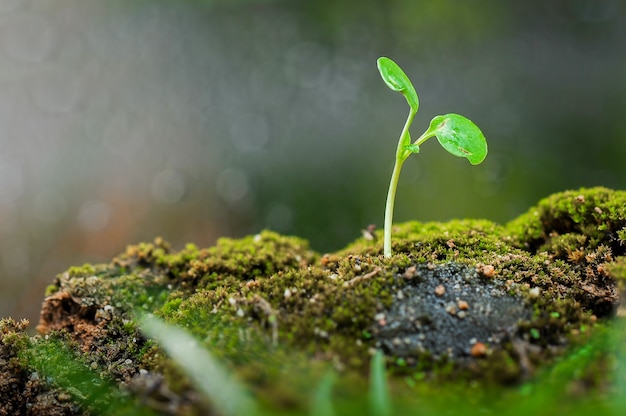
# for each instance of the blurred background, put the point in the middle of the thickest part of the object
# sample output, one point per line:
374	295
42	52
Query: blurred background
122	121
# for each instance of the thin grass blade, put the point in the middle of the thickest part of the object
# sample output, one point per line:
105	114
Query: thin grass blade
229	397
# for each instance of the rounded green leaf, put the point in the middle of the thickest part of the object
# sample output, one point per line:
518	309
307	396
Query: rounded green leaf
460	136
397	80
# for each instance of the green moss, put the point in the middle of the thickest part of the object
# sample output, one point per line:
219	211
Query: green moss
13	373
415	238
598	215
617	269
13	335
51	289
84	270
144	255
267	303
251	257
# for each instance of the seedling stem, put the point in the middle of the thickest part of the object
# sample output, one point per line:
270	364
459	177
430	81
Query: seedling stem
401	155
457	134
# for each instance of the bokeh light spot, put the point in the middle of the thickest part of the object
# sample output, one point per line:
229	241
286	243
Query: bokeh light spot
168	186
28	38
232	184
94	216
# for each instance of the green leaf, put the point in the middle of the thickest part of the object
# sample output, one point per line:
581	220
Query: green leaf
459	136
397	80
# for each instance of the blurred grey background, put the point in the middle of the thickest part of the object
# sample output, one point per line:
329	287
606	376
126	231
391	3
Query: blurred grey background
121	121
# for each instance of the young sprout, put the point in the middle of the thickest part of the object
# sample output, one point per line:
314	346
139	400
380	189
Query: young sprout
457	134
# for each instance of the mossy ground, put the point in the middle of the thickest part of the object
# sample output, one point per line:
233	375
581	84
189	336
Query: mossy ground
461	303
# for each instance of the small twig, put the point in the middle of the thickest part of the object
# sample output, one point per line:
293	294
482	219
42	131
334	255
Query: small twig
272	318
362	277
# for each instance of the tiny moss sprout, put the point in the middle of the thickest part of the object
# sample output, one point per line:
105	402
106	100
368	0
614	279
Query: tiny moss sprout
457	134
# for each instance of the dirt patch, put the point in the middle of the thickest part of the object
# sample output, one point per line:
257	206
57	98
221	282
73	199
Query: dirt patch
445	310
24	391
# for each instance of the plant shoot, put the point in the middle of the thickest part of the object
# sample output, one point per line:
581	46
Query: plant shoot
457	134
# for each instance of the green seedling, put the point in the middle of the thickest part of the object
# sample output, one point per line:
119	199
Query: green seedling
457	134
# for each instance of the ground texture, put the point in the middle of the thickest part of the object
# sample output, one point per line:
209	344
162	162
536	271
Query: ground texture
463	301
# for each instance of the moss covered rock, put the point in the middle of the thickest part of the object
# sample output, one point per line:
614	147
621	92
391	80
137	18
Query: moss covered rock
465	300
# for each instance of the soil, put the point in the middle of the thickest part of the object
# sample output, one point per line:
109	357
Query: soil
447	309
465	301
